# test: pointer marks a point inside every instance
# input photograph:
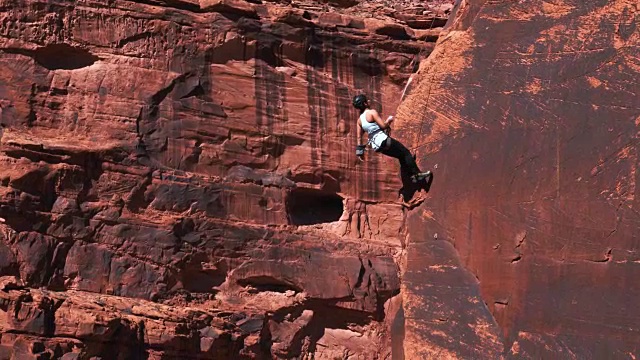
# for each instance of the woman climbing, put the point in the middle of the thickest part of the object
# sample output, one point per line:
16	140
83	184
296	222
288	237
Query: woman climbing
380	141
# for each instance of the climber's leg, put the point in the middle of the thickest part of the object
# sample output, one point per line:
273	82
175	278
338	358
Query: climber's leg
394	148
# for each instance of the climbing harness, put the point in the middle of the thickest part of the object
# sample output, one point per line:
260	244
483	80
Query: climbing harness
386	131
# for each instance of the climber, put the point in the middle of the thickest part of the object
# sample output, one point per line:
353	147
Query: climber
380	140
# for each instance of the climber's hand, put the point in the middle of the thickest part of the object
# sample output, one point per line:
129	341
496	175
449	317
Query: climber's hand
360	151
389	120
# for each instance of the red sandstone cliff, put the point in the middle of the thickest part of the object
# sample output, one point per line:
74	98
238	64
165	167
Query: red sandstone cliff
178	181
178	178
527	246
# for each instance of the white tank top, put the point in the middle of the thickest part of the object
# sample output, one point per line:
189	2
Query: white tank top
376	137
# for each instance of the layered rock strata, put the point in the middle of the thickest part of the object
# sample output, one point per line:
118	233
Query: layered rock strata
178	178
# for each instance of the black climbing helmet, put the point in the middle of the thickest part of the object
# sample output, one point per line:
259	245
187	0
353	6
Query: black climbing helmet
359	101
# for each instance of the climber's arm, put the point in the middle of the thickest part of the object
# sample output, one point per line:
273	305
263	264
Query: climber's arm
359	146
359	130
376	117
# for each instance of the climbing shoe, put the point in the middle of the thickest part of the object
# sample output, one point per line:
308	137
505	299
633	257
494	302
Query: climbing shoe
420	176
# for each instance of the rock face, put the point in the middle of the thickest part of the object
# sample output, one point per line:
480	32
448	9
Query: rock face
178	178
527	245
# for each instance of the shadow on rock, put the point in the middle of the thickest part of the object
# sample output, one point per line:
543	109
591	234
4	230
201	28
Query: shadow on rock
409	188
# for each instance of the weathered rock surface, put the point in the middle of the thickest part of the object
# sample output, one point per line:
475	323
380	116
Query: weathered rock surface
178	180
526	246
75	324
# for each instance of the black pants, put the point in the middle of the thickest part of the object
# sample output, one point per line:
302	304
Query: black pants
394	148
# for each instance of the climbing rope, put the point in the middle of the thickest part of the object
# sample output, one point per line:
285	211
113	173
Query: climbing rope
424	107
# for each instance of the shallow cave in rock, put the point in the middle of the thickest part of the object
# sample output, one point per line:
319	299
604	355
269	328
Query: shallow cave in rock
268	283
63	56
311	206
